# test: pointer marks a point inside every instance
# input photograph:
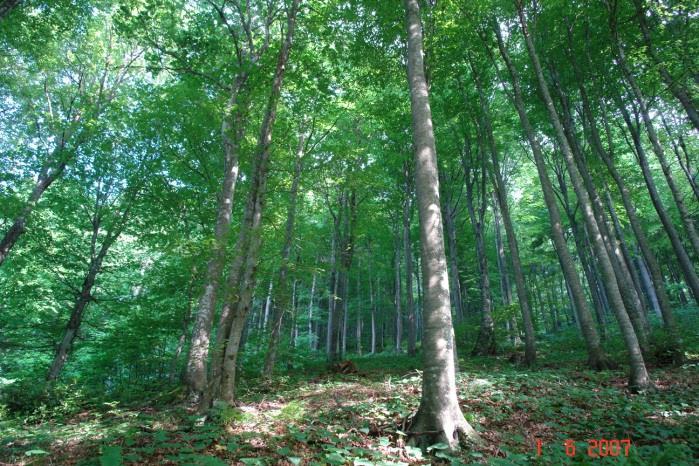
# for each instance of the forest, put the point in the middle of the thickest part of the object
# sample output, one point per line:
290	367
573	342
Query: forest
349	232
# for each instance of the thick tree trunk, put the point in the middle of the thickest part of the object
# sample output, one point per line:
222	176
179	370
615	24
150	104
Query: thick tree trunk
232	131
638	377
597	358
439	417
282	301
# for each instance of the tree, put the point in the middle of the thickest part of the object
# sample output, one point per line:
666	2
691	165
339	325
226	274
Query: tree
439	417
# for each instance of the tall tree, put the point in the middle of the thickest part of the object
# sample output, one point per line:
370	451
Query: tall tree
439	417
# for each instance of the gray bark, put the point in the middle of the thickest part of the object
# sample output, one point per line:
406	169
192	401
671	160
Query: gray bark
282	280
408	253
195	375
687	220
638	377
597	357
239	295
501	196
439	417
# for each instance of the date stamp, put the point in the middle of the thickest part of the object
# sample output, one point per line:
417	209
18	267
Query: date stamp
596	448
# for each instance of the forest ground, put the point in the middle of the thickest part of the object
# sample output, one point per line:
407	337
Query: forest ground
312	417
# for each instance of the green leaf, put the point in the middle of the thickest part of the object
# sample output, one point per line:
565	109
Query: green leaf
111	456
413	452
252	461
438	446
35	452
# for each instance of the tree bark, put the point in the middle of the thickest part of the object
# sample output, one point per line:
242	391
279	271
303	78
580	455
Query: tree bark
234	117
597	357
687	220
439	417
282	280
638	377
501	196
311	337
680	92
251	229
630	294
685	262
408	253
52	169
372	300
661	299
94	268
485	342
454	281
397	298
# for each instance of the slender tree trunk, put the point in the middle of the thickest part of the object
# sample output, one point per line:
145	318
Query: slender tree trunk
505	287
85	296
182	340
629	293
195	374
332	298
373	317
679	91
648	285
52	169
454	281
345	315
282	280
684	164
397	298
685	262
439	417
687	220
501	196
267	306
597	358
408	252
358	322
638	378
239	308
311	337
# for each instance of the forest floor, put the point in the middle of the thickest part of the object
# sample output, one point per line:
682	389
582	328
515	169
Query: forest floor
330	419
